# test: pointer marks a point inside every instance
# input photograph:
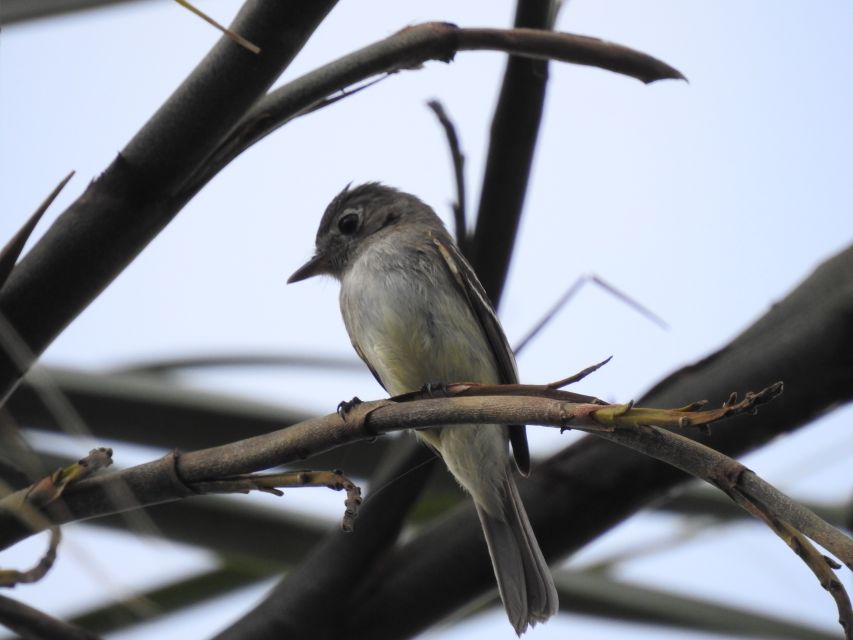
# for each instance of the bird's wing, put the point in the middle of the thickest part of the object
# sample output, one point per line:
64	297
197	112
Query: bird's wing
466	279
369	366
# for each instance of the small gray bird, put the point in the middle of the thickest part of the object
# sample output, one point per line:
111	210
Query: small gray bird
416	314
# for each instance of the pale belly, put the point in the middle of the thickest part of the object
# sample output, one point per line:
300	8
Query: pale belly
414	335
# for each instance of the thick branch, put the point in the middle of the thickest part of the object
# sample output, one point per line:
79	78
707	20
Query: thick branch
12	11
515	129
32	624
409	49
128	205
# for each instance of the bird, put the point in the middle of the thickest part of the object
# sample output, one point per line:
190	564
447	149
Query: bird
417	315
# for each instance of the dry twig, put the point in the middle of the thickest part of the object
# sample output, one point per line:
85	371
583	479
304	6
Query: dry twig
272	483
458	158
13	577
233	35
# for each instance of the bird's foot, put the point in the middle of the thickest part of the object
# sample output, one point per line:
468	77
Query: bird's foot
345	406
433	389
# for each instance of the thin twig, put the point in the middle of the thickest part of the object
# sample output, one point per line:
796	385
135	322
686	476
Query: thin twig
171	365
729	477
233	35
12	577
459	215
570	293
272	483
580	375
624	297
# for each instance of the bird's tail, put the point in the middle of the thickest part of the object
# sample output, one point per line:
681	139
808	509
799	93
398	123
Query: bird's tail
524	580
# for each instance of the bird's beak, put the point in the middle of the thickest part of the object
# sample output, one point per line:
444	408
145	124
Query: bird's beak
314	267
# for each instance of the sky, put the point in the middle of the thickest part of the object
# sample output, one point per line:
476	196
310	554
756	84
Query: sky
705	201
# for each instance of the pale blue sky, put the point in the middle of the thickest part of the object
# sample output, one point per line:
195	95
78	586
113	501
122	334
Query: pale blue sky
705	201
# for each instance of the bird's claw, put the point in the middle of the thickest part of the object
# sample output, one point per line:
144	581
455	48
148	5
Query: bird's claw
345	406
433	389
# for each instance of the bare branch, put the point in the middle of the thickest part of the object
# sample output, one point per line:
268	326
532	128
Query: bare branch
623	424
69	266
178	477
12	577
409	49
33	624
512	142
570	293
271	483
12	11
316	594
236	37
458	159
729	480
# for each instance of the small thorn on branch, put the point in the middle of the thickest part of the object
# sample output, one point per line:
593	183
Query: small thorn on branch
236	37
559	384
693	406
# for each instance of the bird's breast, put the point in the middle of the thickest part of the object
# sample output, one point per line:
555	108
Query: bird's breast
412	324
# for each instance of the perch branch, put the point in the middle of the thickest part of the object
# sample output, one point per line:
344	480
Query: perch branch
638	428
623	424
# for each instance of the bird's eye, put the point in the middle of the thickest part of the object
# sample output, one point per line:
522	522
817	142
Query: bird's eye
348	224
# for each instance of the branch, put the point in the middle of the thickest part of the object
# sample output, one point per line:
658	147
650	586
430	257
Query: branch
177	152
13	577
236	37
515	129
458	158
272	483
142	408
407	50
314	595
570	292
12	11
33	624
89	244
624	424
12	251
